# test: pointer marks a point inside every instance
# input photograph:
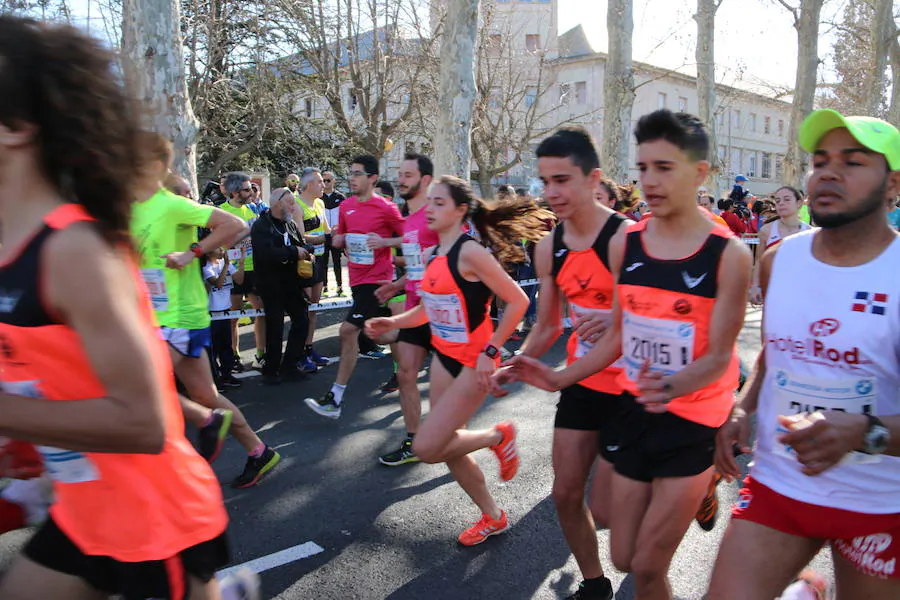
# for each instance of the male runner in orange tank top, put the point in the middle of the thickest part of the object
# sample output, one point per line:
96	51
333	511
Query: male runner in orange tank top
681	287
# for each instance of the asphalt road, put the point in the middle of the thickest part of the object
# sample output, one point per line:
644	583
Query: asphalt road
391	532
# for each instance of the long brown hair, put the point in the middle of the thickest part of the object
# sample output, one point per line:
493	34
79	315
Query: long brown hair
64	83
503	226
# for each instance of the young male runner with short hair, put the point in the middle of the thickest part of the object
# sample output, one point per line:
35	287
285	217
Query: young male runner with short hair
681	288
825	391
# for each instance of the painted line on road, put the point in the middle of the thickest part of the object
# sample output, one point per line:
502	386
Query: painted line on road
277	559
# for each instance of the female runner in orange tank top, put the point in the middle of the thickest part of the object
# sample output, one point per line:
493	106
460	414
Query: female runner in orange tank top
459	282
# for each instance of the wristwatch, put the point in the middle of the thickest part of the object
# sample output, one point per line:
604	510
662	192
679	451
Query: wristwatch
491	351
877	436
196	249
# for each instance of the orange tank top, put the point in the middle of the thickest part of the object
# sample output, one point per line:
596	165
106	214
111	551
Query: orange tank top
130	507
458	309
585	279
666	311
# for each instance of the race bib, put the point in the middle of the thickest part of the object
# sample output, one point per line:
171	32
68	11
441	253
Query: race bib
156	285
667	344
445	316
68	466
577	311
794	394
319	250
246	245
415	267
358	250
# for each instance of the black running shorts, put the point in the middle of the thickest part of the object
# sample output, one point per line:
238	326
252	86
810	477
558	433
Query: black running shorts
453	366
365	305
662	445
417	336
246	287
165	579
585	409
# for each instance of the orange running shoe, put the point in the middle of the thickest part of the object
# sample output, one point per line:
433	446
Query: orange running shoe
507	452
709	508
484	529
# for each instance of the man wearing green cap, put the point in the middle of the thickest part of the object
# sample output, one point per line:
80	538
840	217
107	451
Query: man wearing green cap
825	390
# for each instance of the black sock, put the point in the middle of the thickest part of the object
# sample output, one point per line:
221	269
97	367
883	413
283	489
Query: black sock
598	583
410	436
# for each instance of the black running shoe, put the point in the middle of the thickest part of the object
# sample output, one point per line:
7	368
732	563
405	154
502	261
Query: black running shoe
598	591
391	386
211	437
229	381
238	366
256	468
402	456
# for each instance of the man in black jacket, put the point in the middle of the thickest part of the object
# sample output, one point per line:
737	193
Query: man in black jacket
278	245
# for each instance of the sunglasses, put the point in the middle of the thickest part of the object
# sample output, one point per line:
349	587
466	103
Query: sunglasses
328	180
246	189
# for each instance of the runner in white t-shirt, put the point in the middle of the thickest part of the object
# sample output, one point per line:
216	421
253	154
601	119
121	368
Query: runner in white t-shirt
825	390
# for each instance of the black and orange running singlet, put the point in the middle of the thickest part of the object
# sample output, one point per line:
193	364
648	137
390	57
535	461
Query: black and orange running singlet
130	507
585	279
667	307
458	309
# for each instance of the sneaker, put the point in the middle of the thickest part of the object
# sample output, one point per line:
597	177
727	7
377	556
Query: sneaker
325	407
483	529
340	292
229	381
505	354
238	366
260	360
709	508
809	584
243	584
391	385
374	354
305	365
603	591
507	452
317	358
211	438
399	457
255	468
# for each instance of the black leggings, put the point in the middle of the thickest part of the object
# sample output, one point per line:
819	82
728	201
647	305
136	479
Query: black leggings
280	298
336	254
221	353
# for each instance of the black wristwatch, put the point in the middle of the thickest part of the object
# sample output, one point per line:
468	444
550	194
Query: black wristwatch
877	436
491	351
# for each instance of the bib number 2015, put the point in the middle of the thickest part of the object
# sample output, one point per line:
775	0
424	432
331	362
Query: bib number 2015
659	353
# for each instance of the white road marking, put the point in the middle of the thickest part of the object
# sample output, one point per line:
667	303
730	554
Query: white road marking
246	374
277	559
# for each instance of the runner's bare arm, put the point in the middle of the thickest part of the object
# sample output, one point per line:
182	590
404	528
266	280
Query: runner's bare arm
226	228
92	289
725	324
548	328
414	317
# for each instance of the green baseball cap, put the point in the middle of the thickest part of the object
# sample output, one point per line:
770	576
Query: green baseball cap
875	134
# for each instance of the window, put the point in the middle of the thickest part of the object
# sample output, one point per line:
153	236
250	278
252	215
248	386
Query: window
580	92
767	125
682	104
309	107
751	166
736	118
564	93
662	100
752	121
779	167
532	42
530	96
734	164
766	166
780	127
720	118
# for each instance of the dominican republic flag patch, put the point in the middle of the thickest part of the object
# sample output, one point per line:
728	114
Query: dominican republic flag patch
869	302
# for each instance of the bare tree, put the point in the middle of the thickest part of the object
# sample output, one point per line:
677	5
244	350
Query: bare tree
618	90
806	22
153	63
880	34
893	115
706	80
453	148
363	57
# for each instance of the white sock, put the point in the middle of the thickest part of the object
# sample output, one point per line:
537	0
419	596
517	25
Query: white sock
338	391
799	590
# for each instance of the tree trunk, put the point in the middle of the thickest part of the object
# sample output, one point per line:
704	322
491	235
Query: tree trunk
706	83
453	144
807	26
894	109
882	28
153	63
618	91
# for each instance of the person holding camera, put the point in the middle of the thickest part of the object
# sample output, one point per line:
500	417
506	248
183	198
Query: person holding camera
284	268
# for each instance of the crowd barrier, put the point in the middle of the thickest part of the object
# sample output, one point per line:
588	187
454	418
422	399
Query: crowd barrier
222	315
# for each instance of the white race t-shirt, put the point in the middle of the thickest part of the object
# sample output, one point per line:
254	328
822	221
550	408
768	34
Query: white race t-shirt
219	298
832	342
